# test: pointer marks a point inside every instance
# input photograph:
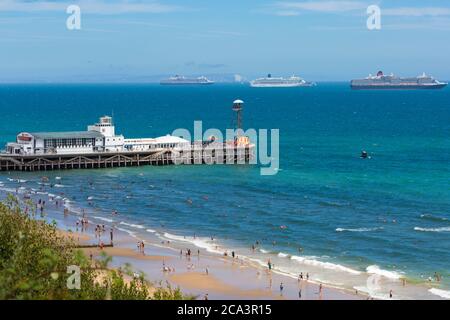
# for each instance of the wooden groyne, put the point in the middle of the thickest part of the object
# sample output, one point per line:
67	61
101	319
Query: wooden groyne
198	154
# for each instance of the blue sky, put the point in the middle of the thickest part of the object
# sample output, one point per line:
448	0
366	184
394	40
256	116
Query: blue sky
133	40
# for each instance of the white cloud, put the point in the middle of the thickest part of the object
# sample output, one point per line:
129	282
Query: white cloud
88	6
323	6
416	12
287	13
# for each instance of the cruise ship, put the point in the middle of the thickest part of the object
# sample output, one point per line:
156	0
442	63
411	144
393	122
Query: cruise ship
270	81
382	81
177	80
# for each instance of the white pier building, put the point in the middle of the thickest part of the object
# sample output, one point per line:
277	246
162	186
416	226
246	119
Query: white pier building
100	137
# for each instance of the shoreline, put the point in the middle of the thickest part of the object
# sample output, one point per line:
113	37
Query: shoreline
228	278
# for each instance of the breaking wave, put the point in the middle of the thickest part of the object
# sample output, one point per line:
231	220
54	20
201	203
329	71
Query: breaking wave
137	226
359	229
374	269
103	219
327	265
204	243
441	293
442	229
430	217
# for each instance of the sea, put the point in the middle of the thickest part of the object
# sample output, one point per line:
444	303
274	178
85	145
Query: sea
345	220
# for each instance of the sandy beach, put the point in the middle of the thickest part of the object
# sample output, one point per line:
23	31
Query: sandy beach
208	271
200	274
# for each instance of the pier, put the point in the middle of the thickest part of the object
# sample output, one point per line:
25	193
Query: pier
217	153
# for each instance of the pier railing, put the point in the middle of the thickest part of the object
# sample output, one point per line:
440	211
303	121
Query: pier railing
198	153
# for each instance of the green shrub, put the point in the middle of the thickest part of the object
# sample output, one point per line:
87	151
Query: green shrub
34	260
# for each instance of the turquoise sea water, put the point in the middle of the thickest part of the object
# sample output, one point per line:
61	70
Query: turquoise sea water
388	215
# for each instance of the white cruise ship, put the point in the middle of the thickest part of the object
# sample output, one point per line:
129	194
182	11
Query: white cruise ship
176	80
270	81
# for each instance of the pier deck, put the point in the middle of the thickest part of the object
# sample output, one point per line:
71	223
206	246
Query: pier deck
196	155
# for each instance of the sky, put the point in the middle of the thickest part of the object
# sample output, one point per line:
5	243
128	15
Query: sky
143	40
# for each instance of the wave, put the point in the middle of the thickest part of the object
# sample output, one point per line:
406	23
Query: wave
59	185
372	293
204	243
432	218
441	229
103	219
131	233
334	204
359	229
17	180
151	230
283	255
374	269
137	226
441	293
327	265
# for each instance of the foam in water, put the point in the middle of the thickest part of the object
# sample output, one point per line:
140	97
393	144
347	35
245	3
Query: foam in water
204	243
131	233
358	229
374	269
326	265
431	217
441	293
442	229
103	219
372	293
137	226
151	230
283	255
17	180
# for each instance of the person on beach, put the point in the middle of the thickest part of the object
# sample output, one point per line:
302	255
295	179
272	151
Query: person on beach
281	288
390	294
111	235
300	293
207	271
436	276
320	289
300	277
307	276
232	254
206	297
